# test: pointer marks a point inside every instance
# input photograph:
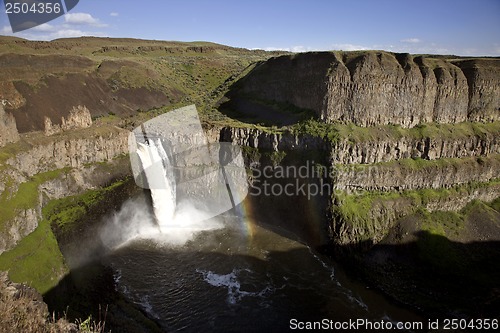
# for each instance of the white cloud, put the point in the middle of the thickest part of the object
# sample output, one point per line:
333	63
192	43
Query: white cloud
273	48
410	40
349	47
51	33
45	27
300	48
413	48
294	49
67	33
6	30
82	19
114	14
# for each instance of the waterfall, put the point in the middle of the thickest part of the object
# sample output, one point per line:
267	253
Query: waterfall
191	181
161	181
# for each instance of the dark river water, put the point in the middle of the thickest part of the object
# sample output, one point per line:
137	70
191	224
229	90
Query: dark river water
240	279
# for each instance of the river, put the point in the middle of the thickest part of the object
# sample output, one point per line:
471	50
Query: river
239	276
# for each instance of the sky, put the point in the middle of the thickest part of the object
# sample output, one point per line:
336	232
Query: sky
460	27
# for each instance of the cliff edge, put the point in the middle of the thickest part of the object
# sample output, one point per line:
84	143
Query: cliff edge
371	88
8	128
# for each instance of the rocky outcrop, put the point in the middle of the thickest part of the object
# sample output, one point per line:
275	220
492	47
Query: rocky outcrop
8	129
412	175
384	212
461	163
377	88
255	138
23	223
391	148
484	89
67	183
59	166
86	146
384	148
22	310
79	117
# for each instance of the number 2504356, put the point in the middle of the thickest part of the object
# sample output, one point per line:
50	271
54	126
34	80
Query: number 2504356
479	324
32	8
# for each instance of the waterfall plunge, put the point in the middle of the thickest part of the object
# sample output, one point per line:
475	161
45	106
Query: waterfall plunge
161	181
188	193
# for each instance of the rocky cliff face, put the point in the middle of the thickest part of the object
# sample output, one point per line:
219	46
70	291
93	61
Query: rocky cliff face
8	129
55	167
383	148
384	213
435	157
376	88
398	170
22	309
413	175
428	148
83	147
79	117
255	138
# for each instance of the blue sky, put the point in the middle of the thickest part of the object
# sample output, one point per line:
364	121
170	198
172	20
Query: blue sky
462	27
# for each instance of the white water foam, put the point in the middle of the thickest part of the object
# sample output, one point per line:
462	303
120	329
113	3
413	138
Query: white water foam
233	285
158	171
347	292
326	266
141	300
134	221
171	223
145	304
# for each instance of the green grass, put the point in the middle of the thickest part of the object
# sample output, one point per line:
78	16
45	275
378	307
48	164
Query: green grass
251	154
63	213
434	246
443	223
496	204
419	164
357	134
357	210
11	150
36	259
26	196
317	128
276	157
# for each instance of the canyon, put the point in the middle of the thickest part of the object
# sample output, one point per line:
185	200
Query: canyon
408	137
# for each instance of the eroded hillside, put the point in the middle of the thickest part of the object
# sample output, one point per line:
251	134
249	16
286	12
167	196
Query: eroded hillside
111	76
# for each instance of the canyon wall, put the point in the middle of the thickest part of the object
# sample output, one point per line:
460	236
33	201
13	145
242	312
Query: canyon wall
79	117
373	88
403	132
383	148
46	168
8	128
389	174
446	138
408	174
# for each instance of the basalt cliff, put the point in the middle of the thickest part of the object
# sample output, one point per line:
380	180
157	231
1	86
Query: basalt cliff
380	88
411	143
390	124
411	147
